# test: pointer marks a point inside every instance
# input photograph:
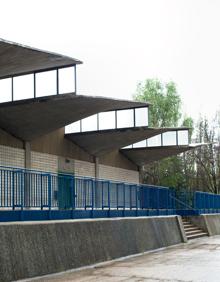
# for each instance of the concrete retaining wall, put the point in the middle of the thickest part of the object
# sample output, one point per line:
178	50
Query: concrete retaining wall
213	223
208	222
31	249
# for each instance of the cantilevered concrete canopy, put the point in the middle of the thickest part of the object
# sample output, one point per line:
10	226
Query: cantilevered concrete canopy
101	142
31	118
17	59
146	155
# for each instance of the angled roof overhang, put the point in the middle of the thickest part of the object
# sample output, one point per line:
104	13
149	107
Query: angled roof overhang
17	59
146	155
101	142
32	118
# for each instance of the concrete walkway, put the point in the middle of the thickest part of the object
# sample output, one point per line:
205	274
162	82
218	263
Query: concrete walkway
198	260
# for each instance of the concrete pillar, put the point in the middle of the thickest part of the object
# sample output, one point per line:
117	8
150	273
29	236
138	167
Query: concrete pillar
27	155
96	160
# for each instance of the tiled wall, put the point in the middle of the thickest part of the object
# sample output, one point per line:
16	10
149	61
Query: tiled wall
45	162
118	174
14	157
84	168
10	156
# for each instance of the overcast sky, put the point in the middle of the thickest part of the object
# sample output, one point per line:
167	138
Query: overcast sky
122	42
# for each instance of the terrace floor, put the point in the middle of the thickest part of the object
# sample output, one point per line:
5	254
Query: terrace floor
198	260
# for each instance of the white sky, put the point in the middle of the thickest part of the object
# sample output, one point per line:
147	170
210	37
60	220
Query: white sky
122	42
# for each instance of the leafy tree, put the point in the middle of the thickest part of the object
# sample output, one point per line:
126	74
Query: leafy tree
197	169
166	103
164	112
207	157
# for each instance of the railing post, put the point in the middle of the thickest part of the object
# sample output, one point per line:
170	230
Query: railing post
22	193
41	191
136	198
109	203
49	195
85	202
124	195
13	190
117	195
73	192
92	194
102	195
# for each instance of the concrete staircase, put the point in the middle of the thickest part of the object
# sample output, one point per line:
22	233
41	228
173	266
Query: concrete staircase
192	231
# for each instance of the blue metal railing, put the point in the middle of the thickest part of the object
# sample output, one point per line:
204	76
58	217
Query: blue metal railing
204	200
22	189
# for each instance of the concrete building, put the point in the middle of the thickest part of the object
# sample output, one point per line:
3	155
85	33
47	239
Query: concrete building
32	131
48	130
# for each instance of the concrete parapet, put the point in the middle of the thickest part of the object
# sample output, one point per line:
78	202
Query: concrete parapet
31	249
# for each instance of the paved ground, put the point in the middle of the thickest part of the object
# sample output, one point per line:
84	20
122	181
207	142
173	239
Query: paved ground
198	260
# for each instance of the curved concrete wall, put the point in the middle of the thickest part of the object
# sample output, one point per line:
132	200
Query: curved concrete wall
36	248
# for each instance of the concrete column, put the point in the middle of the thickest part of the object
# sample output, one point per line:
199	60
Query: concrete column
27	154
96	160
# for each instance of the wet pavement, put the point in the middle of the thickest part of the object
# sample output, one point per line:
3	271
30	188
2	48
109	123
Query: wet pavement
198	260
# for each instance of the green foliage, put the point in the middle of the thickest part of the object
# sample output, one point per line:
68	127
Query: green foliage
188	122
165	111
167	172
166	103
196	169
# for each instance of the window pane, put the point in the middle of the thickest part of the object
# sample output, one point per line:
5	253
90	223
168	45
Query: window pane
154	141
46	83
23	87
141	117
125	118
183	137
73	127
140	144
107	120
5	90
127	147
89	123
66	80
169	138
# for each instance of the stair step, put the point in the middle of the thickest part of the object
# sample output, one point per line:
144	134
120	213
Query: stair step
194	231
191	228
198	235
188	225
